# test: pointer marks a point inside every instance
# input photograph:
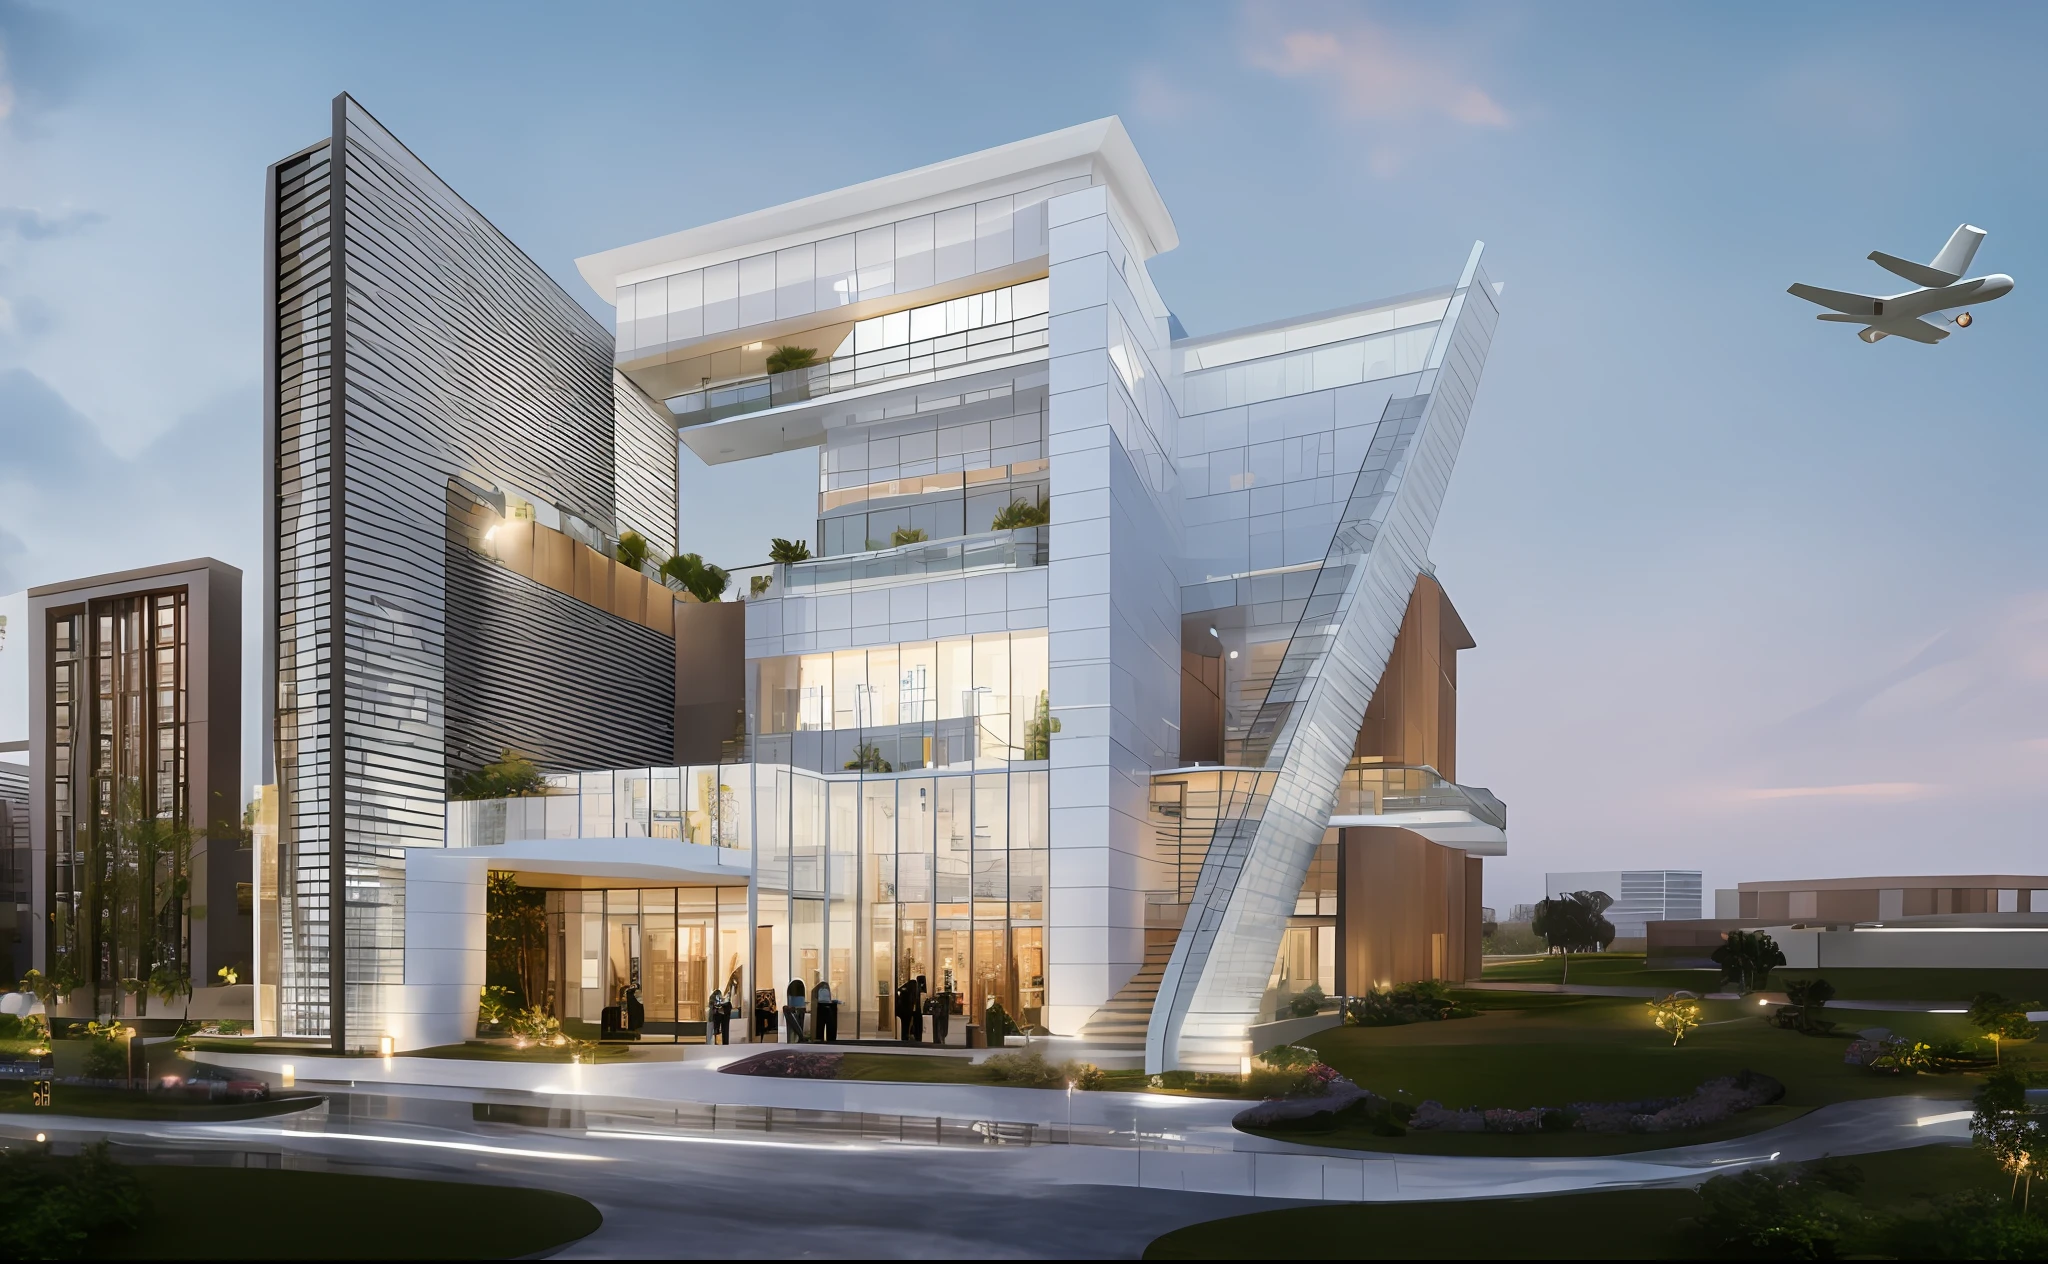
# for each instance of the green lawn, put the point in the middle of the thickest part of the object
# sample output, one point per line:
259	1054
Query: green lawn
199	1213
1542	1049
1626	969
1605	969
1608	1225
112	1103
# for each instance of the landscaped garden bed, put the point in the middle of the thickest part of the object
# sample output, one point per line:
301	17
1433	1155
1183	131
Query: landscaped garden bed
1523	1052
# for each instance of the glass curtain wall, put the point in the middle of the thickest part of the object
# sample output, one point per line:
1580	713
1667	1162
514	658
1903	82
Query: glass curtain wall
979	701
671	946
941	876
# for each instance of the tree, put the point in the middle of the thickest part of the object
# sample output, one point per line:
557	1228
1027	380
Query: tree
908	535
695	576
1576	922
786	359
1022	513
1675	1014
788	552
516	938
2003	1124
133	883
1808	996
511	776
632	550
2002	1019
1747	958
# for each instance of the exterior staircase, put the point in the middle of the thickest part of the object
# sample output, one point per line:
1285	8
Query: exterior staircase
1122	1020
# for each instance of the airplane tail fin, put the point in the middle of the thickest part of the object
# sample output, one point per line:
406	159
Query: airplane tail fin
1955	257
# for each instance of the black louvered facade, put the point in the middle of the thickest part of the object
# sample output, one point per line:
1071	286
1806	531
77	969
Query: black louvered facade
457	357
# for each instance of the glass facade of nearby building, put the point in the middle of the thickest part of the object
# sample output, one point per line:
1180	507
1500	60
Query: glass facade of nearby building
862	879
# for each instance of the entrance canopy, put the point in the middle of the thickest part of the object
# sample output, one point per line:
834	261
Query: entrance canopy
594	863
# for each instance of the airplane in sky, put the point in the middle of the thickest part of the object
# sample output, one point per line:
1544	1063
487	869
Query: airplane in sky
1941	287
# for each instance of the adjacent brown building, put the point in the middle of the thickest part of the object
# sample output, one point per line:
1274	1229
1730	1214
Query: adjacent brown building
139	864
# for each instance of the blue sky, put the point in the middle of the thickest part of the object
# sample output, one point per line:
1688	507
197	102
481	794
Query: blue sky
1750	596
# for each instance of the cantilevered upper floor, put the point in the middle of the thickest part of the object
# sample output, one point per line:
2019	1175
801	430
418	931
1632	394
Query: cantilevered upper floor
929	276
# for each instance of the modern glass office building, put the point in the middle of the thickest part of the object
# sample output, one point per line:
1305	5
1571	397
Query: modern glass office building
1118	689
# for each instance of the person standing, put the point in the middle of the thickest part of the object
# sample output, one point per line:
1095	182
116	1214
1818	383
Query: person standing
825	1025
793	1011
906	999
917	998
942	1015
719	1009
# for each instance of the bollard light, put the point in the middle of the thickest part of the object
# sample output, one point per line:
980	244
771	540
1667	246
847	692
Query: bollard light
1244	1065
386	1046
288	1078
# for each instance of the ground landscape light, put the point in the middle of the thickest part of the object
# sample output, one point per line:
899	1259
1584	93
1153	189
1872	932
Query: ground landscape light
385	1046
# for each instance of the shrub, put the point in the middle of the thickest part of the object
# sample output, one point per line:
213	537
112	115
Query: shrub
631	550
1083	1075
1026	1068
229	1027
1423	1002
106	1051
1675	1014
511	775
1975	1226
1308	1002
494	1005
535	1026
1779	1213
54	1207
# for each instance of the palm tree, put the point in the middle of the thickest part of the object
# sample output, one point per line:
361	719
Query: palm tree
691	573
632	550
1022	513
908	535
783	552
784	359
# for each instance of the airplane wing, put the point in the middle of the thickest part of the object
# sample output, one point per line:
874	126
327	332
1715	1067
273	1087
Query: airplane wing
1837	300
1917	273
1917	330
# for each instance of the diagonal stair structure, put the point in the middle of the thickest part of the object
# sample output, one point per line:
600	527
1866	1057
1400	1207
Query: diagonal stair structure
1122	1020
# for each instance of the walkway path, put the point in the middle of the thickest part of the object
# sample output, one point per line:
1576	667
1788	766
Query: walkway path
1762	998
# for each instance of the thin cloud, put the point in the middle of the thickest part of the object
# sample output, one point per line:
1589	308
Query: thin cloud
31	224
1858	790
1376	77
1155	96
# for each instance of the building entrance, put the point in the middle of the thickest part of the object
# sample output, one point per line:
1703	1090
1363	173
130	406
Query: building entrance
642	962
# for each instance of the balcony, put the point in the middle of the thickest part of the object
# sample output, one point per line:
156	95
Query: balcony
929	359
990	550
1386	789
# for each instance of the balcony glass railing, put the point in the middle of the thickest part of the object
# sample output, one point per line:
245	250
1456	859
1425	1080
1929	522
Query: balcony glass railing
1381	789
843	373
1023	547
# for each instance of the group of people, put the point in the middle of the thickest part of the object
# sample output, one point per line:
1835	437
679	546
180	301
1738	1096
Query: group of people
814	1015
914	1003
